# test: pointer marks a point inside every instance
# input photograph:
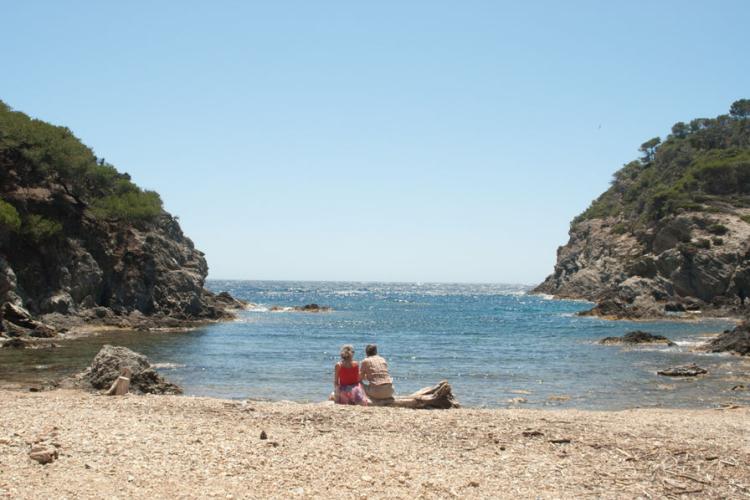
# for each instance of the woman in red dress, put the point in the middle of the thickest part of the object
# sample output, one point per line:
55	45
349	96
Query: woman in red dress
347	389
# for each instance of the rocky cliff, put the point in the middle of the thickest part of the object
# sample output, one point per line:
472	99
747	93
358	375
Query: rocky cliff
80	243
672	234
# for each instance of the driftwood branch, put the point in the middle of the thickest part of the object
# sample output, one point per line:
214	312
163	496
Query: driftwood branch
436	397
121	385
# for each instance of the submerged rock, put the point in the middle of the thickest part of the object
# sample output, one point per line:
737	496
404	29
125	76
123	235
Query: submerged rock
109	362
638	337
691	370
312	308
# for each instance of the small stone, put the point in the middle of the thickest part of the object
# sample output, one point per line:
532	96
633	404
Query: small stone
474	484
263	435
366	478
43	455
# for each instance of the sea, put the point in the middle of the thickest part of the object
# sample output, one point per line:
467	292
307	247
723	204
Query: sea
498	346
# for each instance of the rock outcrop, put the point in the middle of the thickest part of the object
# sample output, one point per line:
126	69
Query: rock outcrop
637	337
108	364
80	243
736	340
672	234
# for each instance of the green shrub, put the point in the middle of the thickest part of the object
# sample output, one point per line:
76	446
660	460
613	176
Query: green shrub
43	152
718	229
745	218
717	241
701	167
130	206
9	218
620	228
38	229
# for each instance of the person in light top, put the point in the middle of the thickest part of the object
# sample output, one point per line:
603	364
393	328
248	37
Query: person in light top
374	369
347	389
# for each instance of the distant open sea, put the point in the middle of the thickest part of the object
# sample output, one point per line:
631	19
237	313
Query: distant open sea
494	343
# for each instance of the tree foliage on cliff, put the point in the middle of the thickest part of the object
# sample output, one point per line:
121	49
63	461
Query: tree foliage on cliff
9	218
701	165
39	153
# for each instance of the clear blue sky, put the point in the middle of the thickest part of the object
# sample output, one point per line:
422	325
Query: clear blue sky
390	140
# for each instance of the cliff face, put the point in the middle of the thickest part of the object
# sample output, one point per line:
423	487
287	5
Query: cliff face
79	240
665	269
672	234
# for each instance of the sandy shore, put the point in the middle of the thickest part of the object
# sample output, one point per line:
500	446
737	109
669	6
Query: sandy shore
183	447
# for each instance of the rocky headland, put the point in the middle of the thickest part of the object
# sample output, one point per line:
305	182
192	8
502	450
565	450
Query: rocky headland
82	247
671	236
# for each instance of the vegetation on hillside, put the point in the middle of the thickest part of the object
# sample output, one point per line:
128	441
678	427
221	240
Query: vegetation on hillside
701	165
37	154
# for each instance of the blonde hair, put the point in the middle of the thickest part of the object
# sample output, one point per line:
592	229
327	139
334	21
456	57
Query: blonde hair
347	352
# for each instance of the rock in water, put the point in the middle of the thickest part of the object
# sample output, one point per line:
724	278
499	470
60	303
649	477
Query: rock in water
691	370
638	337
110	361
736	340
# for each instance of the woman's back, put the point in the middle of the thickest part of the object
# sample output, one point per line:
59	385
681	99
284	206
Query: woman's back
348	375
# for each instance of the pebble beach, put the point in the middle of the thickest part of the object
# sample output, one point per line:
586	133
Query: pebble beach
190	447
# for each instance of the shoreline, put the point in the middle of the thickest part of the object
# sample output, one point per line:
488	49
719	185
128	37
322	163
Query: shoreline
190	447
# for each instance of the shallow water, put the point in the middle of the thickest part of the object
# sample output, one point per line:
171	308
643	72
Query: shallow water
492	342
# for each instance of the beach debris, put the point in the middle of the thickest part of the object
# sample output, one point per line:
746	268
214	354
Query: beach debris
532	433
518	400
43	454
691	370
263	435
560	441
439	396
637	337
740	387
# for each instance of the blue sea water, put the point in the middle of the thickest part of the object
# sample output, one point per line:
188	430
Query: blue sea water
494	343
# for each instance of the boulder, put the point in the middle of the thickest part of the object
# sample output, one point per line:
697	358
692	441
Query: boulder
691	370
18	315
736	340
226	300
109	362
15	343
638	337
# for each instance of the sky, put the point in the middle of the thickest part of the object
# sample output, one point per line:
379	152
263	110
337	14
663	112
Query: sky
428	141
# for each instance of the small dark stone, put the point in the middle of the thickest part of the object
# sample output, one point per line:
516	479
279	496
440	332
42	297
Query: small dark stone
263	435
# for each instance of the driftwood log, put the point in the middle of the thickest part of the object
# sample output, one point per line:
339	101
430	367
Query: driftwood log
437	397
121	385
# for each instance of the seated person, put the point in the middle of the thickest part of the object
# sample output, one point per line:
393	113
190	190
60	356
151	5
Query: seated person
374	369
346	387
